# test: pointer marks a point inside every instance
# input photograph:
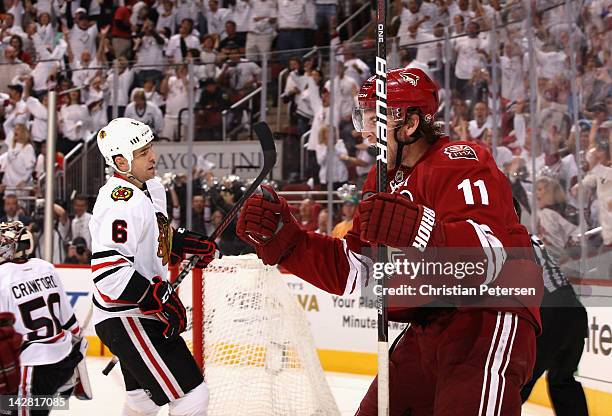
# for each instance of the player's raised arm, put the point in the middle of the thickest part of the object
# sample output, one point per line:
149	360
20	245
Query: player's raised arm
328	263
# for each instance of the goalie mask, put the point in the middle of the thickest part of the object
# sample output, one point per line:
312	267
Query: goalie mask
121	137
16	241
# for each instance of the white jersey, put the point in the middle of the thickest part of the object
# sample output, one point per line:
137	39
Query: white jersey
34	293
131	239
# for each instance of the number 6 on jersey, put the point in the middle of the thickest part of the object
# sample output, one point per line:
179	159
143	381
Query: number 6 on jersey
119	231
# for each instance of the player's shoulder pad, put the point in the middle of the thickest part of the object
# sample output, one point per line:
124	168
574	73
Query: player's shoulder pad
122	193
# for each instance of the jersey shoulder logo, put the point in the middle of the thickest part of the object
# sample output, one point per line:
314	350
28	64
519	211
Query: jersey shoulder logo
409	77
165	238
122	193
460	151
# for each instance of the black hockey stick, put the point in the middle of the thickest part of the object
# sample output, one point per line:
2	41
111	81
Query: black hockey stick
381	186
266	139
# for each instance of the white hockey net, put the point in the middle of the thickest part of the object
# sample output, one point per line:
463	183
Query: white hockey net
259	355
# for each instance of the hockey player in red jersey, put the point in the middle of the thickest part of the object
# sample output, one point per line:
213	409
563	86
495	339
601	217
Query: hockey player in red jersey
442	196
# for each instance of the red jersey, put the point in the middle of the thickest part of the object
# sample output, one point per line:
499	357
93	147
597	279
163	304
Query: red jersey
472	201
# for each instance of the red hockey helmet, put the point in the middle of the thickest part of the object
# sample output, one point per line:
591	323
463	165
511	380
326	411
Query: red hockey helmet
407	89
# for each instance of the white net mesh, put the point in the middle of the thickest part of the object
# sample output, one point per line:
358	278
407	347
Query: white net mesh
259	355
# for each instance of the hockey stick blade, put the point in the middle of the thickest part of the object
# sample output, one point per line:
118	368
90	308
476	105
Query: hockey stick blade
266	140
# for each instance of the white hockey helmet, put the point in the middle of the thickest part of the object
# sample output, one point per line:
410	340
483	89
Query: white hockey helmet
16	241
122	136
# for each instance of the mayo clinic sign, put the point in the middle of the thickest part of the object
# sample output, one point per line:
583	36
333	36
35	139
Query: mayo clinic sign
243	158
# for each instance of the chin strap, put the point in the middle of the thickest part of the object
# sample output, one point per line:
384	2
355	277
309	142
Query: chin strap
129	175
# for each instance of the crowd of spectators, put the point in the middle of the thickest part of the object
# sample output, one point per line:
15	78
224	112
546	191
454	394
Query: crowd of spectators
130	57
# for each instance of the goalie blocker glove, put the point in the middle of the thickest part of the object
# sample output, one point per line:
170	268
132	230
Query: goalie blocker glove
396	221
10	347
191	242
266	223
162	301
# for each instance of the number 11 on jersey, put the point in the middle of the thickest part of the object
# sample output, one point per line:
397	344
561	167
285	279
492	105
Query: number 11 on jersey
466	187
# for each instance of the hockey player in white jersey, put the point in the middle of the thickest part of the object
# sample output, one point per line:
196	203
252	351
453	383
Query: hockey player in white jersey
137	314
52	345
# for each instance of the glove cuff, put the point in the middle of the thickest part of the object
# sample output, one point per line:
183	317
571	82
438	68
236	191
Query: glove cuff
151	303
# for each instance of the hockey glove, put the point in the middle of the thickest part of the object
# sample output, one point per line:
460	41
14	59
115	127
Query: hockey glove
162	301
396	221
10	347
191	242
266	223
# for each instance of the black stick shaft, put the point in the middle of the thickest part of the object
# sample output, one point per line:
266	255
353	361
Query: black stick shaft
381	186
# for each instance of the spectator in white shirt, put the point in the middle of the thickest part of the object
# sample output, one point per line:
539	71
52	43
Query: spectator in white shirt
480	123
83	36
45	31
15	8
148	113
9	28
125	78
241	15
261	28
339	172
174	88
345	96
15	113
355	67
84	69
12	68
152	95
471	56
216	17
179	44
74	122
38	110
208	57
80	223
415	16
18	162
167	17
512	74
149	48
238	74
97	101
461	8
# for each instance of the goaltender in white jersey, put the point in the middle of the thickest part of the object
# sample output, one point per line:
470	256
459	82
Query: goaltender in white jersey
52	343
137	313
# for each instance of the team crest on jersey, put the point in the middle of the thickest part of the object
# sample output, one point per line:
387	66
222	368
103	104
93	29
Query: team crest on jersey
165	238
122	193
460	151
411	78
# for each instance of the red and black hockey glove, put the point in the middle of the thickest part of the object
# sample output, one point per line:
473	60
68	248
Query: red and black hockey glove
266	223
191	242
396	221
162	301
10	347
